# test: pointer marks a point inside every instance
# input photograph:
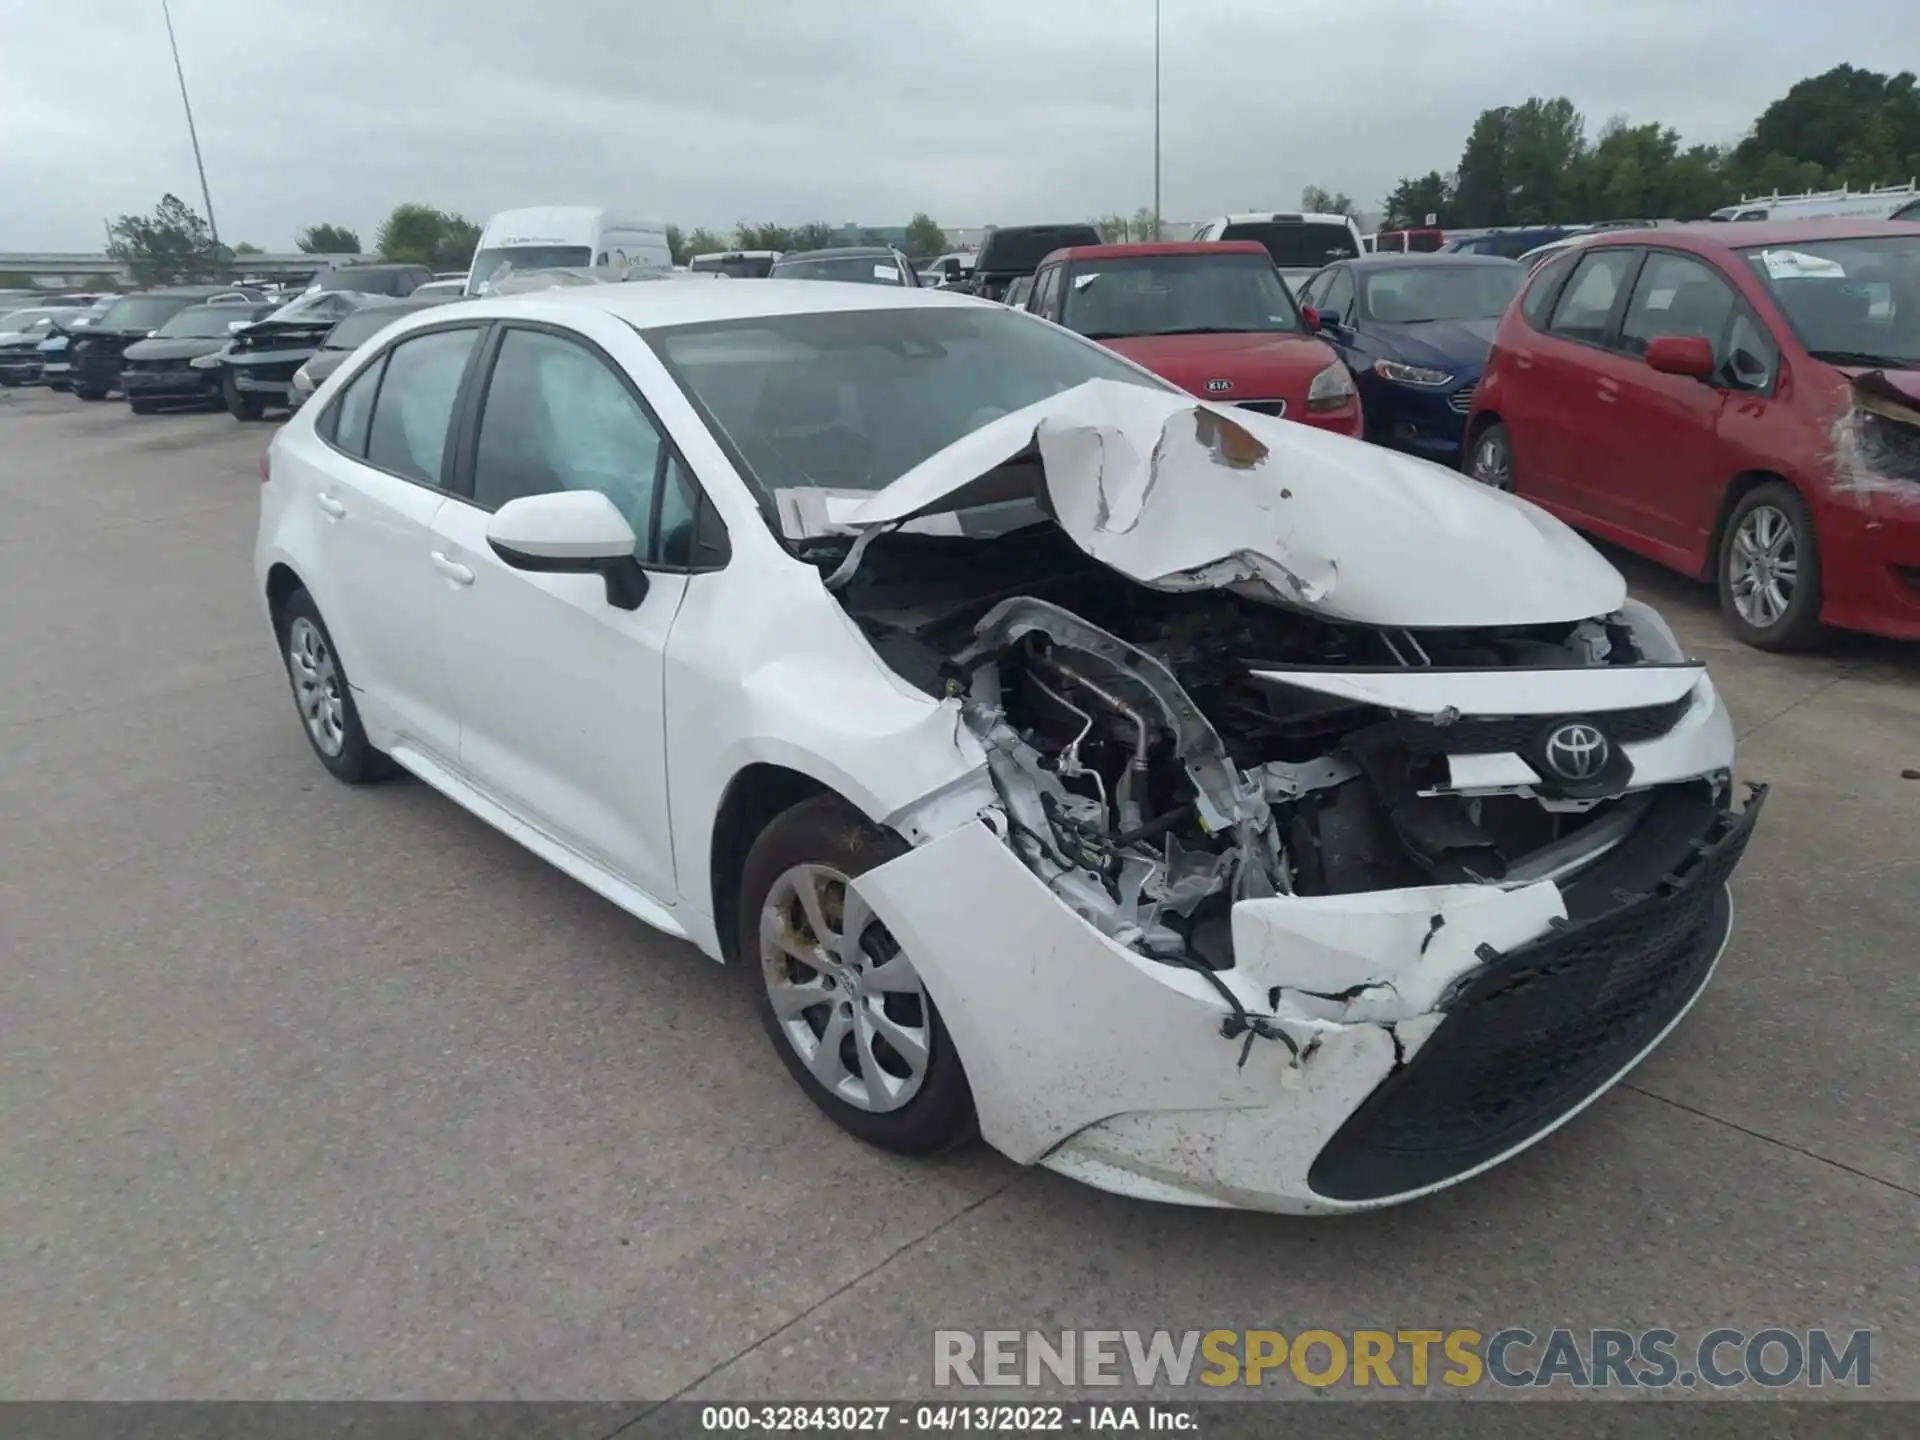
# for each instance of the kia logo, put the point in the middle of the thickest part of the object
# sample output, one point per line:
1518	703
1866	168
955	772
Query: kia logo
1577	751
1214	387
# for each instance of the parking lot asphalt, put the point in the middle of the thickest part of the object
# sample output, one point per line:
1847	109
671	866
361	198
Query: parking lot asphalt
318	1092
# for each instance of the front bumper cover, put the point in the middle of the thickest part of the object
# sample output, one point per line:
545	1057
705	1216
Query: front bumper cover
1484	1019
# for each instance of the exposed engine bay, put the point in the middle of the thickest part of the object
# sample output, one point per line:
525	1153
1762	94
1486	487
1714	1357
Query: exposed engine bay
1155	766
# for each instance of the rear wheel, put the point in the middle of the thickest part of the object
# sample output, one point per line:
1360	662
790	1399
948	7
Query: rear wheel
1490	459
142	407
1769	570
241	407
87	392
838	995
321	693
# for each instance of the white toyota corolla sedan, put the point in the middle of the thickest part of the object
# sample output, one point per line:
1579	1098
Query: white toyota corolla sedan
1202	805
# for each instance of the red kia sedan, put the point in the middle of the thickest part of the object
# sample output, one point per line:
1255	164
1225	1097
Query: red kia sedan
1738	401
1215	318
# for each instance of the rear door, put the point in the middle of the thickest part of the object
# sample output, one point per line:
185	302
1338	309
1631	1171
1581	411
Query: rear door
1570	402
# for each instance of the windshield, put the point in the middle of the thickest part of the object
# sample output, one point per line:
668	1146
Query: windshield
1298	244
1179	295
144	312
853	399
854	269
1419	293
739	267
314	309
1011	252
365	282
524	257
207	322
22	320
1851	302
363	325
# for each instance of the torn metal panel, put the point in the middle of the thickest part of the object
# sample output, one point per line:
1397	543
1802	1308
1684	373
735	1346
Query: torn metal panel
1876	440
1180	495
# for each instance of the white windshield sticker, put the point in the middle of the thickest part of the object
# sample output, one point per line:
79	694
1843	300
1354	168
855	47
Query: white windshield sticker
1081	282
1796	264
886	273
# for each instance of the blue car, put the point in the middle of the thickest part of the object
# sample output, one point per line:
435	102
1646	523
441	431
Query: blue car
1415	331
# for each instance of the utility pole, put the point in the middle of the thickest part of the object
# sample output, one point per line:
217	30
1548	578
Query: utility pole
1156	119
206	195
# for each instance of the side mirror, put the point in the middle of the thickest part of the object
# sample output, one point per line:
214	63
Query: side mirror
1687	355
1311	316
1321	319
571	532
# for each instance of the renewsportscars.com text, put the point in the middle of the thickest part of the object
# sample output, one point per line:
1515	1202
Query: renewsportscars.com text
1515	1356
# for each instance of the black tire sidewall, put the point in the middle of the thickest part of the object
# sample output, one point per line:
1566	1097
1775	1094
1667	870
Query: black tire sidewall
141	407
1497	431
358	762
828	831
241	407
1800	627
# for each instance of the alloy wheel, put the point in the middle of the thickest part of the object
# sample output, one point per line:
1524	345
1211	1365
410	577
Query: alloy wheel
1492	461
1764	566
316	686
845	996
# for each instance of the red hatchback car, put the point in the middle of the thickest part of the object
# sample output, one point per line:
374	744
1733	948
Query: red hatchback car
1738	401
1214	318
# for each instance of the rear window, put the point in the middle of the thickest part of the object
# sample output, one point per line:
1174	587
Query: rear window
144	312
1020	251
363	325
209	322
373	282
739	267
1298	244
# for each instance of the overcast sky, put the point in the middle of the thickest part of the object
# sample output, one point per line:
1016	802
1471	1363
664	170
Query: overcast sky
704	113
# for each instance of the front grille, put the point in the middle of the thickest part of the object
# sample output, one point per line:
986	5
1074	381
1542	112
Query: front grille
1508	734
1533	1033
1263	407
1461	400
155	367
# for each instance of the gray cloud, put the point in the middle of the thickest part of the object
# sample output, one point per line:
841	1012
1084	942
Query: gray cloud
985	111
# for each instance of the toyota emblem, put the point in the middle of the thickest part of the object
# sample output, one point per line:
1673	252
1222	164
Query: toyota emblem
1215	387
1577	751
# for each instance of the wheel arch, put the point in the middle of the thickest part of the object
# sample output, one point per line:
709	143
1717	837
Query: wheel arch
753	797
282	582
1477	426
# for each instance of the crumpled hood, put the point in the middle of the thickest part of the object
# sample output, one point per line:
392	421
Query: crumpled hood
1178	494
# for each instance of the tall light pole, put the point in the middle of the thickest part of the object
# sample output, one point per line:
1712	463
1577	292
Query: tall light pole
206	195
1156	119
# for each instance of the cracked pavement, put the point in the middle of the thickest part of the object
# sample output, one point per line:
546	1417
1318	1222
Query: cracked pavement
314	1092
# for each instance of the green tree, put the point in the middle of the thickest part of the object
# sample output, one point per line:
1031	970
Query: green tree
702	241
814	235
417	234
329	240
1112	228
1145	225
925	238
458	240
764	236
1315	200
168	247
243	248
677	244
1412	201
1822	122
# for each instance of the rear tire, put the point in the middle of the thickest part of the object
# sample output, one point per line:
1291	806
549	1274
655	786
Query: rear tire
323	698
87	392
241	407
834	1016
1490	458
142	407
1769	570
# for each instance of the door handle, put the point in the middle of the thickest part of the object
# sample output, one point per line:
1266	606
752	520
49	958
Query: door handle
452	569
332	506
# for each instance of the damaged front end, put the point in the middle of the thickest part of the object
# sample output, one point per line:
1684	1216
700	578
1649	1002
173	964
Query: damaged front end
1432	879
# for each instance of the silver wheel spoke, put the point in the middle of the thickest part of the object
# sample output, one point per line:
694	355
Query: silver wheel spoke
806	888
791	997
895	977
910	1044
776	931
855	916
825	1062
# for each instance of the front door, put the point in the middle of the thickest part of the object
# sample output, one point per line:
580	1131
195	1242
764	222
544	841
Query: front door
561	694
1573	390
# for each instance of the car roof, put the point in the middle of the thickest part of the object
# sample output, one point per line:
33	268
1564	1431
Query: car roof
840	252
1148	249
376	269
1395	259
1728	235
1284	217
645	306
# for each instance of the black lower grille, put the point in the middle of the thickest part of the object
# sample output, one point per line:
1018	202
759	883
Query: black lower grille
1263	407
1533	1033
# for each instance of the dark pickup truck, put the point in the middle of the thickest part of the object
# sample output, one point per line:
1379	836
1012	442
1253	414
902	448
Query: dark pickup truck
1016	250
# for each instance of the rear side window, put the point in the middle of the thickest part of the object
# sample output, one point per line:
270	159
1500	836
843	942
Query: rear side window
354	409
1547	281
408	435
1297	244
1587	304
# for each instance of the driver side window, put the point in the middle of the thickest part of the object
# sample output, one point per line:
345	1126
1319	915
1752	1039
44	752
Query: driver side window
1337	299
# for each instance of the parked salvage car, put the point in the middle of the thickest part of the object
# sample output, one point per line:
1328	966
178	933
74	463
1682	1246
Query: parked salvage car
1415	330
853	264
394	281
353	331
21	335
1215	319
257	365
1740	402
96	351
736	264
160	370
1016	250
55	351
1300	244
1204	806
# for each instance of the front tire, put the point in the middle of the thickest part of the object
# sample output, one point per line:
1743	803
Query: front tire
142	407
87	392
323	697
1769	570
841	1001
241	407
1490	457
